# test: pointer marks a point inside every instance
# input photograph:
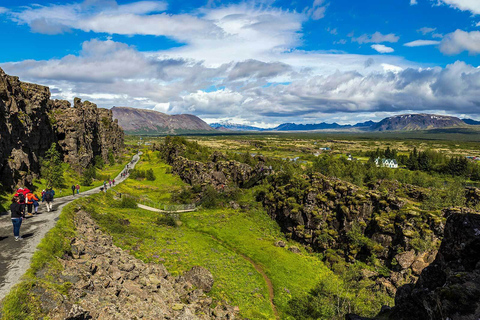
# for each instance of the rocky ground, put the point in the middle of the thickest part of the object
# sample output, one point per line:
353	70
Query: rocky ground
449	288
108	283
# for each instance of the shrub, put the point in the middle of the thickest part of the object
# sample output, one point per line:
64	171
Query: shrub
127	202
209	197
183	196
166	219
149	175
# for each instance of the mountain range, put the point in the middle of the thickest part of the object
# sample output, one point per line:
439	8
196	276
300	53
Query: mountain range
141	121
406	122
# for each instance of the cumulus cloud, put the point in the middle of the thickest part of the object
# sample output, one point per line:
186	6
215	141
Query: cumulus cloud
377	37
413	2
420	43
459	41
464	5
3	10
137	18
382	48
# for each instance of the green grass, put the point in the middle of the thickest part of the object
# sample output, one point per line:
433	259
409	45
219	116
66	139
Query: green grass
218	239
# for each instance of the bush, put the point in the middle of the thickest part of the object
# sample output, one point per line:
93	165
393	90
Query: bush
149	175
166	219
209	197
127	202
183	196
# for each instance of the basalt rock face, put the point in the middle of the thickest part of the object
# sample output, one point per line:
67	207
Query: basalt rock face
25	129
85	131
343	221
30	122
216	173
109	284
449	288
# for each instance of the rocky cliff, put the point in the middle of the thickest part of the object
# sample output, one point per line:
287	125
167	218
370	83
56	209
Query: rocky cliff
141	121
449	288
345	222
106	282
30	122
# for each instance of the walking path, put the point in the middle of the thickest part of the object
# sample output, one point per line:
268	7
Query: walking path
141	206
257	267
15	255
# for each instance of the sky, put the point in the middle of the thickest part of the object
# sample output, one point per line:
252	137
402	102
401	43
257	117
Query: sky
259	63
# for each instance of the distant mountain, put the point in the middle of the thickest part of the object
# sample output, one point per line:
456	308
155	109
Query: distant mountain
235	127
409	122
406	122
365	124
142	121
471	122
309	127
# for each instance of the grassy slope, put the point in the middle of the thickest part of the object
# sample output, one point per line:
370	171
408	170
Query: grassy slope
215	238
234	232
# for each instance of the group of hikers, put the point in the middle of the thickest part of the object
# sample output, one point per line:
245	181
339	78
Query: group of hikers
24	202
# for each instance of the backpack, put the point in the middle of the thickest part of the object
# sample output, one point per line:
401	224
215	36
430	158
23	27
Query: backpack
21	198
48	195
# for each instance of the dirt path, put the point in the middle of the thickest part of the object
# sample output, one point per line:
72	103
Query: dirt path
15	255
268	282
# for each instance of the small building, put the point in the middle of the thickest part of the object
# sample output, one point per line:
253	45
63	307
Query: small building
325	149
387	163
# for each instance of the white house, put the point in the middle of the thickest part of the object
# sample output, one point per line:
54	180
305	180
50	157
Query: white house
388	163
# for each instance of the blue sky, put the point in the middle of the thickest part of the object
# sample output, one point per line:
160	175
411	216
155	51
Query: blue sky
252	62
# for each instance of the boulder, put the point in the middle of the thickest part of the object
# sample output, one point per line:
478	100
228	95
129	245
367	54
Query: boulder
200	277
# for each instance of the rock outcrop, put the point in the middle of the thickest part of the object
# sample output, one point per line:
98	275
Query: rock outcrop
449	288
85	131
345	222
217	173
30	122
109	284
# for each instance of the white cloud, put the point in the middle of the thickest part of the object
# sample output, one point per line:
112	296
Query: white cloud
317	11
137	18
459	41
420	43
381	48
464	5
413	2
3	10
377	37
426	30
253	73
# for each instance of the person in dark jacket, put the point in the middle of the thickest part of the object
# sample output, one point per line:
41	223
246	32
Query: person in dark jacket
17	217
73	189
48	198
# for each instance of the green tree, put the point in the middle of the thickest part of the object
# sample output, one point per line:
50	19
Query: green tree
149	175
99	163
52	170
111	158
